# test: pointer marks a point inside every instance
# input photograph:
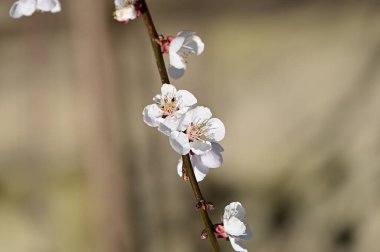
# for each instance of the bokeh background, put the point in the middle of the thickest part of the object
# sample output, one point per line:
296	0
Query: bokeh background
296	82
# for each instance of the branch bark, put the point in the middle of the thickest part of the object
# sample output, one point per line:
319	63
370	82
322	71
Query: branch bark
153	35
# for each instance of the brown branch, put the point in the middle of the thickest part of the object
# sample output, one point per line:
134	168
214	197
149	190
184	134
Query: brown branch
153	35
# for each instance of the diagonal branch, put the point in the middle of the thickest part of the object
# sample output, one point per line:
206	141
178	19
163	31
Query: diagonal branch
153	35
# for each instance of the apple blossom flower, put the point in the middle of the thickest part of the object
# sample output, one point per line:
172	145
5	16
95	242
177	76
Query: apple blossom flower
196	131
28	7
126	10
233	227
185	43
202	163
168	109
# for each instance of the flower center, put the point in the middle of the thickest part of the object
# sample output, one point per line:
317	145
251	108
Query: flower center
170	106
195	131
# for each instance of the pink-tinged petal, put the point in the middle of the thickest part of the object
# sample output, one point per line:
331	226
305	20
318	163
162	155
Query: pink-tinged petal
233	226
236	245
176	73
169	90
200	147
186	99
213	158
216	130
168	125
151	113
179	142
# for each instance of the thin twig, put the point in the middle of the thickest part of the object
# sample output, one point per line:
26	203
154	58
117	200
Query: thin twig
153	35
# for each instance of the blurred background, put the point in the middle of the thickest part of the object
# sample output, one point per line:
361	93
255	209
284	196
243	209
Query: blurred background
297	84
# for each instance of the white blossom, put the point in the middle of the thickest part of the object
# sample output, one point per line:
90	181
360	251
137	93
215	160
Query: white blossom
234	227
28	7
196	131
125	10
185	43
202	163
168	109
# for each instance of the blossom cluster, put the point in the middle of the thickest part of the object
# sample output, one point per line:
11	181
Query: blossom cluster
190	128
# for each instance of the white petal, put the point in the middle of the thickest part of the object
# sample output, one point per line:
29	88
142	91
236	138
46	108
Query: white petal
200	45
150	115
200	114
200	171
120	3
177	61
15	10
157	99
200	147
169	90
22	8
126	13
57	7
46	5
248	234
176	44
236	246
179	142
233	226
179	167
185	34
234	209
216	130
186	99
176	73
213	158
168	125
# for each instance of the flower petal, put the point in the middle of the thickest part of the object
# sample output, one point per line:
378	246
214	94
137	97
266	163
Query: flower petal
22	8
200	45
46	5
120	3
186	99
57	7
248	234
151	113
236	245
216	130
176	44
200	114
233	226
213	158
168	125
169	90
200	147
185	33
179	142
234	209
200	171
176	73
